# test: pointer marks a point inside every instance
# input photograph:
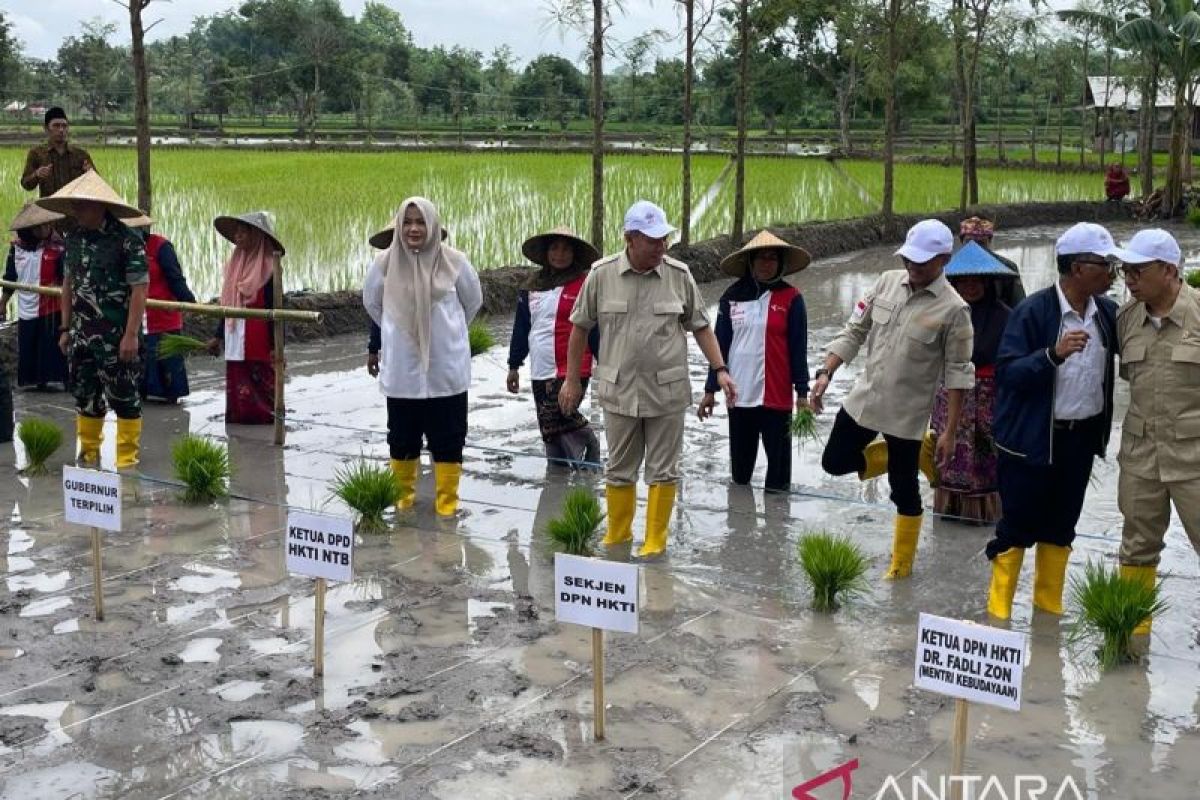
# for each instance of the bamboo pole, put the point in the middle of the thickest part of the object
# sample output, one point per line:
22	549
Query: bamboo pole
598	684
280	368
202	309
959	747
319	631
97	575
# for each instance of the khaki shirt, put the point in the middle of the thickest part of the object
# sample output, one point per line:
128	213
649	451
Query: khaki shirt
644	319
64	167
915	341
1160	439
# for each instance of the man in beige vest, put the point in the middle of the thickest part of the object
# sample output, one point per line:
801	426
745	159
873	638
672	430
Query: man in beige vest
1159	331
645	303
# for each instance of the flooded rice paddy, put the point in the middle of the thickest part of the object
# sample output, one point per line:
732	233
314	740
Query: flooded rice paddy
446	674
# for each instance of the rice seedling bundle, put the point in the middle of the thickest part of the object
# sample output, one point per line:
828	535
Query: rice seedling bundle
480	337
171	345
574	530
1193	279
202	465
1110	607
803	426
40	438
834	567
369	489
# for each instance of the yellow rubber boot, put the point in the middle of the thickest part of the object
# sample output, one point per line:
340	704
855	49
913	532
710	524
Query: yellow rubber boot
658	517
1006	569
405	473
445	479
1147	576
1049	574
129	441
927	463
876	454
90	431
621	501
904	546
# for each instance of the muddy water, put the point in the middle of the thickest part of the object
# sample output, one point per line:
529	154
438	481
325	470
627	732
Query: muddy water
446	675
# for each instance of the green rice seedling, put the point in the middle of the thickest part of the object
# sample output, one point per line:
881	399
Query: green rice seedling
202	465
803	426
370	489
834	567
172	344
480	337
1110	607
1193	279
40	438
574	530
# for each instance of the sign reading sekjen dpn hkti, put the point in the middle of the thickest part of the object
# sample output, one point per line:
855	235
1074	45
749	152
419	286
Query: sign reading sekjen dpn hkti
599	594
972	662
319	546
92	498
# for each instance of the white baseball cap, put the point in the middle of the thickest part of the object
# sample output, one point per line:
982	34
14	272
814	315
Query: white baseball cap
647	218
1085	237
927	239
1152	244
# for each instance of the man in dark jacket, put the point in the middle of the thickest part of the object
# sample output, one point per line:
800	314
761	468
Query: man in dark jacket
1054	409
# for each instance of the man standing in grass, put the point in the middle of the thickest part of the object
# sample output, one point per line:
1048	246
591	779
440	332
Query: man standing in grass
1159	330
645	303
917	332
51	166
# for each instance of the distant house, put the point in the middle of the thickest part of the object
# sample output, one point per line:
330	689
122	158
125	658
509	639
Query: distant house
1117	104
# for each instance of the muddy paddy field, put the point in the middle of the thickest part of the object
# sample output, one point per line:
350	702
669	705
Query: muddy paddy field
446	674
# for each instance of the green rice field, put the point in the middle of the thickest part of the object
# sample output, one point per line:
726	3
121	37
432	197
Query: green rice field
327	204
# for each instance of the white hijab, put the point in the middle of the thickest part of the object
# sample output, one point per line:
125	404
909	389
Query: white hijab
415	280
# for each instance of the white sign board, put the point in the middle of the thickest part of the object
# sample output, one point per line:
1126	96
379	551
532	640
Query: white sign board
319	546
599	594
92	498
971	662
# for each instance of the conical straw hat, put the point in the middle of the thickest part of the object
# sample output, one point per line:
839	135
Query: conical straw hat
382	240
794	258
32	215
262	220
88	186
535	247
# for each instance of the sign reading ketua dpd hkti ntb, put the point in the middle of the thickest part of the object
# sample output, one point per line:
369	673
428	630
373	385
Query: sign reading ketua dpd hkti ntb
319	546
970	662
92	498
599	594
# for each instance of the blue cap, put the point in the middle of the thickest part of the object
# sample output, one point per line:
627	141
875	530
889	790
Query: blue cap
972	259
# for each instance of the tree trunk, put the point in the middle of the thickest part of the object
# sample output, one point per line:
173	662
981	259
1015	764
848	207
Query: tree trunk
958	10
598	124
141	108
1146	128
685	233
739	181
1106	129
1173	191
1061	117
1087	43
1000	120
889	106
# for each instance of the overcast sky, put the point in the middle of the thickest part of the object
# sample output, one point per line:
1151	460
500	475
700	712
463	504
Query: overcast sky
483	25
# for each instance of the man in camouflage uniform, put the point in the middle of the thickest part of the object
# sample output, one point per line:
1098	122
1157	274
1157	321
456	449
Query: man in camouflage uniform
103	301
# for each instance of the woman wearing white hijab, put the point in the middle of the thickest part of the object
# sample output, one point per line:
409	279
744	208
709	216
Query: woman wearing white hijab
423	293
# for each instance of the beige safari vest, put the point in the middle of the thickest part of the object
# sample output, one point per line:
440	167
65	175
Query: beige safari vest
915	340
644	320
1160	439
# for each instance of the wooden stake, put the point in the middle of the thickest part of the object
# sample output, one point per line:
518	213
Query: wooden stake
277	304
959	752
319	631
97	575
598	683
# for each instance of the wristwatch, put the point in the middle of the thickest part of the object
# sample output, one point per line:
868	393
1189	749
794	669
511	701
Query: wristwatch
720	369
822	371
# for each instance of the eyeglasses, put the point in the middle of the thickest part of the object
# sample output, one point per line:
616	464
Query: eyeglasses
1136	270
1095	262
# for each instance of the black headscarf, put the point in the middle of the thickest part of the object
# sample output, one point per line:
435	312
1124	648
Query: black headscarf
988	317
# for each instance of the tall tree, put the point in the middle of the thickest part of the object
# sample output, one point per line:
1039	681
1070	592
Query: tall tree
743	94
141	108
693	29
969	21
10	52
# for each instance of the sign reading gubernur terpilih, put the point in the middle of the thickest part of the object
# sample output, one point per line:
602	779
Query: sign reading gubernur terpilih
321	547
973	663
93	498
604	595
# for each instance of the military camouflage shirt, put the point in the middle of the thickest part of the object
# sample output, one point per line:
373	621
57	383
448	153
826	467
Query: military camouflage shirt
103	265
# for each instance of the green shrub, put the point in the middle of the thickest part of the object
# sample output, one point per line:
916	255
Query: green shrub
1193	279
834	567
202	465
40	438
1110	607
370	489
574	530
480	336
172	344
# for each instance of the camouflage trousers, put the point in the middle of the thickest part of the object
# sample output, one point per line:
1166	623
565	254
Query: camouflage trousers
98	375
